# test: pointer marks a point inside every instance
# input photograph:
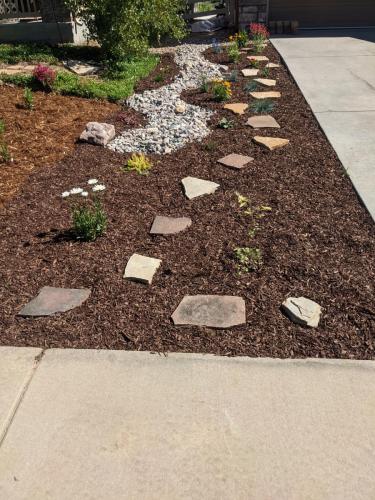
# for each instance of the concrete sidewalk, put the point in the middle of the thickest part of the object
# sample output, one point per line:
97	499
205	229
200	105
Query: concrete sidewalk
335	70
113	425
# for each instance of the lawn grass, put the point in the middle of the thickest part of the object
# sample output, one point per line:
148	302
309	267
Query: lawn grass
114	85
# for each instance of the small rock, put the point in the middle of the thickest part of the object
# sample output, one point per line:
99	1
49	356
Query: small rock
262	121
237	108
302	311
250	71
213	311
267	82
180	108
98	133
52	300
271	143
272	65
195	187
235	160
265	95
169	225
141	268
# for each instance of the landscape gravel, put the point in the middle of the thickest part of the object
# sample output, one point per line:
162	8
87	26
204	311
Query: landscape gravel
169	129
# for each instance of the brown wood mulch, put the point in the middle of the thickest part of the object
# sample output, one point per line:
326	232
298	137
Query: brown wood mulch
318	241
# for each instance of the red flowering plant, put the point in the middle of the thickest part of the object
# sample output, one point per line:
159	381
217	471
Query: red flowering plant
259	32
44	75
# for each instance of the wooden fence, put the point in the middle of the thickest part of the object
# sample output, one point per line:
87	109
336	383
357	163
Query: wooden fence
19	9
219	7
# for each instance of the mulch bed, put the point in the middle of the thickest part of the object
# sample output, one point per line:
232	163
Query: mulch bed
318	242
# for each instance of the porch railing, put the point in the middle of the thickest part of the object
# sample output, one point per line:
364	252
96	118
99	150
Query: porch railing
19	9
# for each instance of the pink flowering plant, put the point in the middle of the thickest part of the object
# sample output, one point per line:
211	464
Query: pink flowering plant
44	75
259	32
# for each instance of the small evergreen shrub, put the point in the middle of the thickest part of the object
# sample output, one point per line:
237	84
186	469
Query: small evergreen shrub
139	163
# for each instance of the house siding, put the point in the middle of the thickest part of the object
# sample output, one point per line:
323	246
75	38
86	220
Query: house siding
252	11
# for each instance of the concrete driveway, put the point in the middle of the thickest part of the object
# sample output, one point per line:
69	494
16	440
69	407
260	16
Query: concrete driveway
336	72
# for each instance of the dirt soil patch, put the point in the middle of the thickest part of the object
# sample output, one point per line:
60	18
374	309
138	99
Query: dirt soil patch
318	241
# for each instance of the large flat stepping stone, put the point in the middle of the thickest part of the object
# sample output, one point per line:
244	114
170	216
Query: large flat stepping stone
267	82
271	143
262	121
213	311
169	225
235	160
237	108
258	58
98	133
141	268
195	187
250	72
266	95
52	300
302	311
272	65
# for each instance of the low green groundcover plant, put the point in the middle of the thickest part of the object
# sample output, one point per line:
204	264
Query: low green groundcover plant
116	82
138	163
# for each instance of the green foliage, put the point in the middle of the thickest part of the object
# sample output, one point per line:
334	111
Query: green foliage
89	221
265	72
159	78
5	155
248	259
221	90
210	146
233	76
254	63
35	53
258	45
114	85
126	29
2	127
28	98
139	163
225	124
205	85
205	6
251	86
234	52
262	106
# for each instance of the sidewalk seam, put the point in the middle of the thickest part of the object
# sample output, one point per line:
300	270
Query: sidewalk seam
19	398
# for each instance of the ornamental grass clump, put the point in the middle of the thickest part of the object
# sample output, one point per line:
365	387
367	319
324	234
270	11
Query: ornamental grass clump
89	220
262	106
45	75
5	155
221	90
139	163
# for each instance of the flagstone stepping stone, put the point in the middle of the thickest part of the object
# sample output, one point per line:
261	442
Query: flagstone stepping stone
169	225
265	95
258	58
271	143
302	311
81	68
235	160
272	65
141	268
98	133
215	311
262	121
237	108
195	187
250	71
267	82
52	300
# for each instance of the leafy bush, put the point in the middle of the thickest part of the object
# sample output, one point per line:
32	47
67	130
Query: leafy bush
234	53
221	90
28	98
139	163
89	221
126	29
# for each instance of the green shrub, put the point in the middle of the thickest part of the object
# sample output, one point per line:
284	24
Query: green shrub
221	90
248	259
5	155
28	98
89	221
139	163
262	106
234	52
126	29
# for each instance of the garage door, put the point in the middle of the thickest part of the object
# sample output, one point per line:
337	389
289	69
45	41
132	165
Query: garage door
324	13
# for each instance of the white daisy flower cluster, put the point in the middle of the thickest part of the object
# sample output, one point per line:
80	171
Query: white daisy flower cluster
93	183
